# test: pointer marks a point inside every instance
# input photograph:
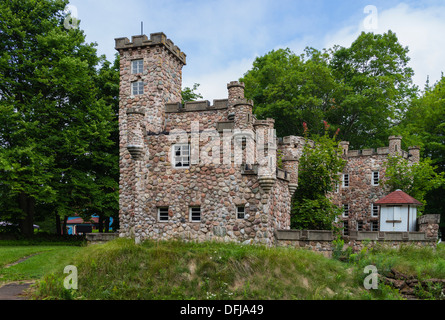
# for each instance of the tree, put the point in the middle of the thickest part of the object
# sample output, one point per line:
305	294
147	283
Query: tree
415	179
364	89
318	175
54	123
377	88
190	94
292	89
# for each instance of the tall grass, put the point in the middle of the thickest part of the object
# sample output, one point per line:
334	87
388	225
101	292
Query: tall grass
122	270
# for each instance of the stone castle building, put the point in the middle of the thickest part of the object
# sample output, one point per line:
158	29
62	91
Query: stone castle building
193	171
360	186
202	171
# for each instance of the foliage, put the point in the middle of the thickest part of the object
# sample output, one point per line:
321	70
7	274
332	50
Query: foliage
171	270
190	94
292	89
415	179
318	175
364	90
56	152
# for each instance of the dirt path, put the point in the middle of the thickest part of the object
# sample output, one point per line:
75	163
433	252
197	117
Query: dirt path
15	290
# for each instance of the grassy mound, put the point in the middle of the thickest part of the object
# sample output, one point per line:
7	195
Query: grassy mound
121	270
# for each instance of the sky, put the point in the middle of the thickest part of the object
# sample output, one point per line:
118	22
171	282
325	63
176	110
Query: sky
222	38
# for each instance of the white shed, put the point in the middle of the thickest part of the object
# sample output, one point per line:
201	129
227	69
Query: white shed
398	212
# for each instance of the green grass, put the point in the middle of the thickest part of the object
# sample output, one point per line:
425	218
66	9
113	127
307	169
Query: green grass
44	260
121	270
424	263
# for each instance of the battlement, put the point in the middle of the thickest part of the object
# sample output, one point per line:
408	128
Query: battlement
371	152
193	106
156	39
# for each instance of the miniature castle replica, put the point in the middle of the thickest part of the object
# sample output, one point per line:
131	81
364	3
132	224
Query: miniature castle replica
360	189
202	171
196	171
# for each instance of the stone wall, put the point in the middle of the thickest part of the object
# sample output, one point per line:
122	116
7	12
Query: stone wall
321	241
152	122
362	192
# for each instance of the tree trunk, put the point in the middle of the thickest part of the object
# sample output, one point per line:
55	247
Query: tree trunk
58	226
107	225
27	205
65	220
101	223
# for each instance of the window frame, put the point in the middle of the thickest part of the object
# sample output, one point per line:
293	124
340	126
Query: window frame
139	66
345	181
159	214
137	91
374	209
191	214
374	225
243	212
373	178
345	210
175	157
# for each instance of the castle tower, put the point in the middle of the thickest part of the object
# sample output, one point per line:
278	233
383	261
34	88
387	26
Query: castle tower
150	77
395	145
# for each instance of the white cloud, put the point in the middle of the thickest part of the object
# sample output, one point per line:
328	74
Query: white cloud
213	84
420	29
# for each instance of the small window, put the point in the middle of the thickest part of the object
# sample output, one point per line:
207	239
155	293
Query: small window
359	225
240	212
337	187
375	210
374	226
163	214
346	180
195	214
345	228
346	210
137	88
137	66
181	155
375	178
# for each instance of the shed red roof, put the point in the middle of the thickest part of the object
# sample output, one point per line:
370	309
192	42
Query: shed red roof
398	197
81	221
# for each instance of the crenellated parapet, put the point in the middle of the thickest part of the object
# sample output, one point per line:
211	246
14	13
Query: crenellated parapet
142	41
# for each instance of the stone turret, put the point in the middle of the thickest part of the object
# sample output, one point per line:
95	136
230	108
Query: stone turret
395	145
150	77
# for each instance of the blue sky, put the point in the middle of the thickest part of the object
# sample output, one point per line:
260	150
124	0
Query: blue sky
222	38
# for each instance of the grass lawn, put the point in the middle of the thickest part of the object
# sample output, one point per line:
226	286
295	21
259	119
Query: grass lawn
44	259
121	270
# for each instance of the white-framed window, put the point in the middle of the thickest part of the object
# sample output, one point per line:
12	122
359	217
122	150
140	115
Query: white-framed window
374	210
345	180
375	178
137	88
240	212
374	226
163	214
359	225
345	210
345	228
195	214
137	66
181	155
